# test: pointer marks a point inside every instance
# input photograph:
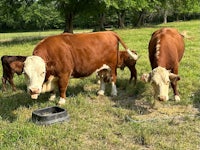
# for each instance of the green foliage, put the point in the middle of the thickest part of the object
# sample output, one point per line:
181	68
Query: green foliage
41	16
28	15
53	14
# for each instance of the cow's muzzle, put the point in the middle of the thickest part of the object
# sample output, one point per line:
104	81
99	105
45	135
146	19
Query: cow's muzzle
34	92
162	98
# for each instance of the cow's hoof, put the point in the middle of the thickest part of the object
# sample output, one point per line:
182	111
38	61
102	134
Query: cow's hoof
114	94
177	98
98	82
61	101
52	97
100	92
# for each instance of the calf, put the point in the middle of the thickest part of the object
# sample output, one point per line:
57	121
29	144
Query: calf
104	73
126	61
166	49
11	65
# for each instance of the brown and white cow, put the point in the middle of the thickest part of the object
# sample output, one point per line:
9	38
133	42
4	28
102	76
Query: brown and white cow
124	60
11	65
166	49
71	55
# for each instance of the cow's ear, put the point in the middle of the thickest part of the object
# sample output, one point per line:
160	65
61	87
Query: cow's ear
146	77
174	77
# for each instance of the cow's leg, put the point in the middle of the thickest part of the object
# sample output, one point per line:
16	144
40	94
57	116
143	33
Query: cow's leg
174	86
176	93
133	74
114	89
62	86
3	84
52	96
10	80
102	87
113	81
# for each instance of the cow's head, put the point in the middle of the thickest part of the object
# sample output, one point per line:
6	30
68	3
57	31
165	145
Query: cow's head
17	66
34	72
104	73
160	79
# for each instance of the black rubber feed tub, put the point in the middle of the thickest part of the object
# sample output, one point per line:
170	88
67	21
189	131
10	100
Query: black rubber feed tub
49	115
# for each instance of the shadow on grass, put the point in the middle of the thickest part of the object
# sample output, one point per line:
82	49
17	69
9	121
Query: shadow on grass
21	40
196	102
128	94
11	101
131	97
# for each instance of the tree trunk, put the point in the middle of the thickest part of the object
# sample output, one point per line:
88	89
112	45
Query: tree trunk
165	17
140	19
121	19
69	22
102	21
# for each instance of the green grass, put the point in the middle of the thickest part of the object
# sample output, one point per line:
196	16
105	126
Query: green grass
118	123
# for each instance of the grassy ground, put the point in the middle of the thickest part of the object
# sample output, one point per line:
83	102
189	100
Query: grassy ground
117	123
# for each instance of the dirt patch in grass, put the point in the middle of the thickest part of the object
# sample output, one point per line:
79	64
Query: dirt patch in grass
162	112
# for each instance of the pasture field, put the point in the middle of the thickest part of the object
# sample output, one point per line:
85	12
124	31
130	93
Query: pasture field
103	122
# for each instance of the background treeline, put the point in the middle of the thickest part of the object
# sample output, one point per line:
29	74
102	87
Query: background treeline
26	15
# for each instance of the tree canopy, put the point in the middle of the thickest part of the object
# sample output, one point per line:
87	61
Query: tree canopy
27	15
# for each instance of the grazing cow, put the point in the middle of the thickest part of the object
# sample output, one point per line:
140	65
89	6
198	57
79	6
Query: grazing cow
71	55
11	65
166	49
104	73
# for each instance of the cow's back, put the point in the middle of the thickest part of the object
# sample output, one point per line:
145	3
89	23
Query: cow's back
166	48
78	51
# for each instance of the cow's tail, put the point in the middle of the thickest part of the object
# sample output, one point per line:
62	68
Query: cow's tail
133	55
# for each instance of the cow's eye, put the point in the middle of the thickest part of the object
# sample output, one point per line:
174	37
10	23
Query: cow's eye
42	74
153	83
24	73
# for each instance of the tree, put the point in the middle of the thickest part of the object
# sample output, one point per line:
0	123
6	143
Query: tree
185	8
18	15
41	17
121	7
69	9
9	13
141	8
28	15
165	4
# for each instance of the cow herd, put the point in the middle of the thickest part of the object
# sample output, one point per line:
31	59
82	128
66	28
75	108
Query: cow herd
58	58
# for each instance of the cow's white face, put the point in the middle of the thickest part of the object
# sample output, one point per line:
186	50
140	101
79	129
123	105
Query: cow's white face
160	82
34	72
160	79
